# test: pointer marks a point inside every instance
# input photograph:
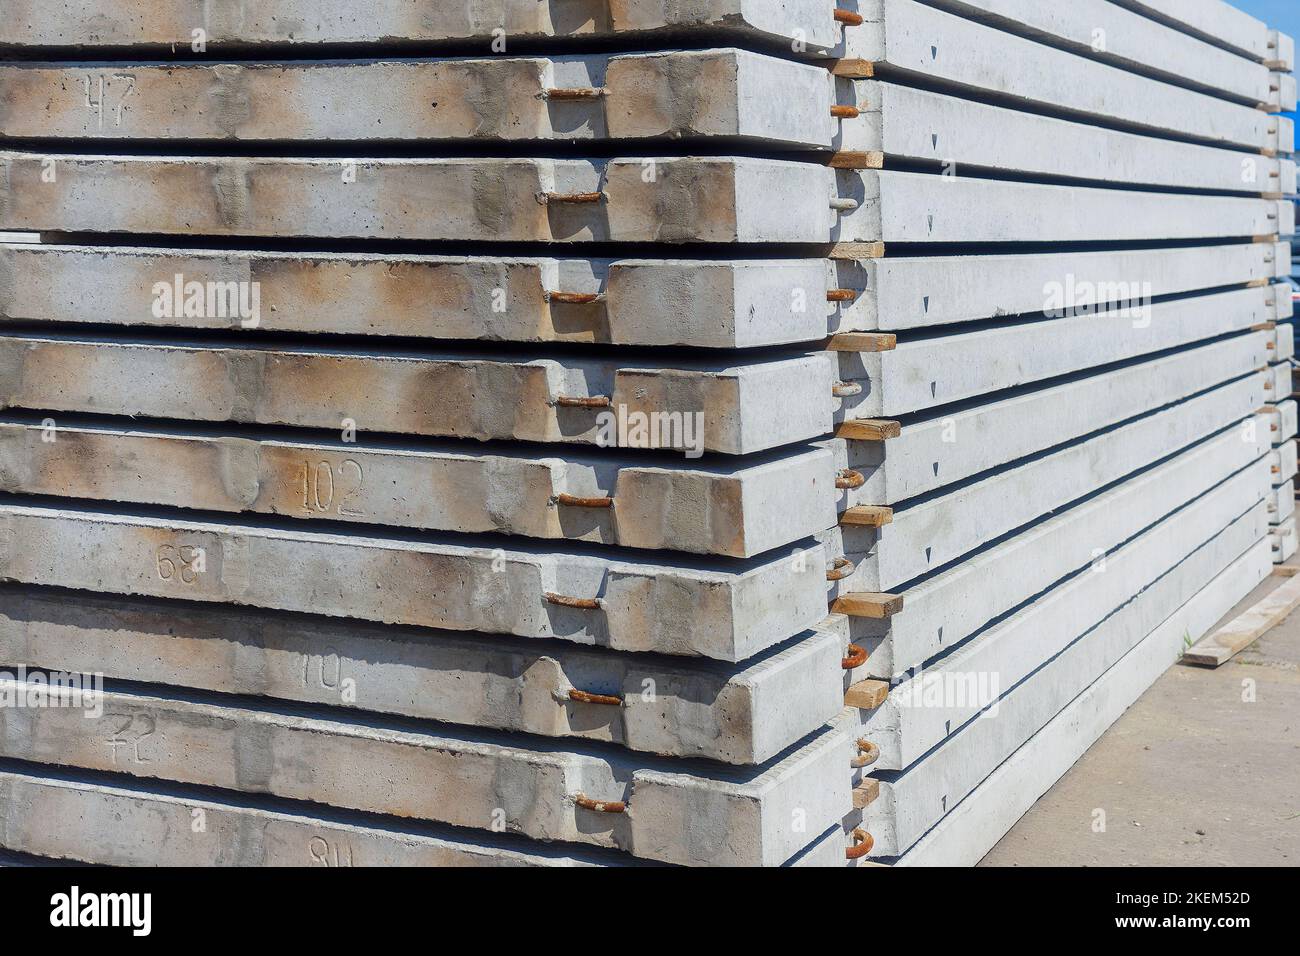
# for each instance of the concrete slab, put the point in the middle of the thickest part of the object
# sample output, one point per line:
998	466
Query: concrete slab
694	407
717	199
945	609
905	207
712	200
1281	504
721	304
725	609
1284	463
910	39
909	723
1282	541
1112	34
1213	20
114	821
916	124
263	23
911	292
735	507
685	814
682	707
920	796
737	95
974	825
938	450
926	536
929	371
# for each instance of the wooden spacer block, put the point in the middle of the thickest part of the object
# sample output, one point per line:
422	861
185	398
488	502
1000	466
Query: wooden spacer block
869	429
877	607
866	694
867	516
856	68
865	793
858	250
862	342
854	159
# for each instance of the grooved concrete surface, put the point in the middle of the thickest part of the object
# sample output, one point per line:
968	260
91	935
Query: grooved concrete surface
1191	775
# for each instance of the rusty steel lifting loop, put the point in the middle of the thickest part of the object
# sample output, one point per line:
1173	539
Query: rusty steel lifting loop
862	844
868	753
600	806
583	697
846	389
854	657
575	298
845	112
582	604
841	569
847	17
593	401
575	501
841	295
847	479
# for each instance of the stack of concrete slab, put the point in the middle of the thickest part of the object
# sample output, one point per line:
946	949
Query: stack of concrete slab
781	434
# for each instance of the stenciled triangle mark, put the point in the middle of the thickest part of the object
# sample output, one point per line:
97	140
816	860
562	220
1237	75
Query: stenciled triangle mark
934	53
930	220
934	140
926	301
927	555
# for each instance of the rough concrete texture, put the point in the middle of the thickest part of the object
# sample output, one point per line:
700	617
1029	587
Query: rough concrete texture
919	797
740	510
726	610
719	304
741	714
926	372
930	44
262	23
675	814
1127	40
654	199
904	122
969	830
945	609
909	292
926	536
694	406
114	821
904	207
1147	771
689	94
951	446
671	200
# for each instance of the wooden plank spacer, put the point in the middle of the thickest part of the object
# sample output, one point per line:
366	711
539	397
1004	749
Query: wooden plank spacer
862	342
854	68
867	516
866	793
858	250
869	429
857	159
866	694
876	607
